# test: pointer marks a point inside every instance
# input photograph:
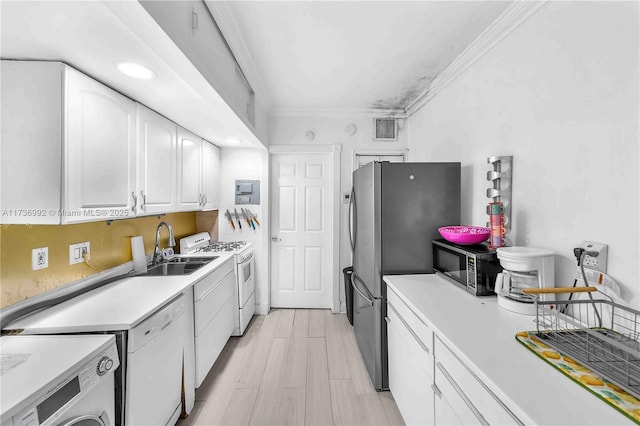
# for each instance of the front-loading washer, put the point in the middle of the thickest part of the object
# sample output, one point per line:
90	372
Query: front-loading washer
58	380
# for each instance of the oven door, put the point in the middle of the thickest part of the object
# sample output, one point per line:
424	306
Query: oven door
451	262
246	280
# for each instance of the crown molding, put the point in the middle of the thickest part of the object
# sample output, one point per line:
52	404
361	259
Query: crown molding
516	14
224	18
307	149
337	112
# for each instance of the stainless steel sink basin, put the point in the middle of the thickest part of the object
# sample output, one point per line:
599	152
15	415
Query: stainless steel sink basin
191	259
182	267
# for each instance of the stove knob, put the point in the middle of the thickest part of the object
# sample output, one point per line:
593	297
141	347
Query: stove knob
104	365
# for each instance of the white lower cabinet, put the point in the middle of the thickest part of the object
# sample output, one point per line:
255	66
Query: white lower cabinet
410	365
452	404
215	306
444	413
463	394
429	383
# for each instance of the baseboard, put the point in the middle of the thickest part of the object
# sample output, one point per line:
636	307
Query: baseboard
262	309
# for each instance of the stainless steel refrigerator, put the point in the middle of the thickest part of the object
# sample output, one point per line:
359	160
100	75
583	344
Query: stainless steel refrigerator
395	212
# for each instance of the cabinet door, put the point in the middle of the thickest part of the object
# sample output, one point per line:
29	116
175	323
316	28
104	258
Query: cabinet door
31	141
99	151
210	176
157	163
189	170
409	364
453	406
443	412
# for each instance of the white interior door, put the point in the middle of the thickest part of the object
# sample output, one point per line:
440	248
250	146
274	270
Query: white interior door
302	230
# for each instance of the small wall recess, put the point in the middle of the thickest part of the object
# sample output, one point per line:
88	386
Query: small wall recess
247	192
39	258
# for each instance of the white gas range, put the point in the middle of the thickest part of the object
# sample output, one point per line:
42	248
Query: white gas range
200	245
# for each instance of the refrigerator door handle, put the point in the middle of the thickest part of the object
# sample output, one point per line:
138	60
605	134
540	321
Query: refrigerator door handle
352	219
356	282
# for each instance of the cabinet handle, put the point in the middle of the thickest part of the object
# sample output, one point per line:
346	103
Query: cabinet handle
135	201
144	200
415	336
194	20
436	390
462	395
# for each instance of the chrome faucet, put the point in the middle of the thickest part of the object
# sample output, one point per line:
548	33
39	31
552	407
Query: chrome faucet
172	242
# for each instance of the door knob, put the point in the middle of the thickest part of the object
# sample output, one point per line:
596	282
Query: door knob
275	239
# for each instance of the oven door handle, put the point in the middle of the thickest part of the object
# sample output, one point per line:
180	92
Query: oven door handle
247	260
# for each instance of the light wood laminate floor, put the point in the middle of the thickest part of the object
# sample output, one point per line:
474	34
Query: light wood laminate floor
292	367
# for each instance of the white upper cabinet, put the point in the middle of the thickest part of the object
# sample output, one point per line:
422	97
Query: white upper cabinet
189	170
68	146
99	151
74	150
157	163
31	142
210	176
198	173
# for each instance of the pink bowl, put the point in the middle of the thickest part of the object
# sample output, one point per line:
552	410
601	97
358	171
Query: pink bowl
465	235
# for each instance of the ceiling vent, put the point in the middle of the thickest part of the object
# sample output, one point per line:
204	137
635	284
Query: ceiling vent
385	129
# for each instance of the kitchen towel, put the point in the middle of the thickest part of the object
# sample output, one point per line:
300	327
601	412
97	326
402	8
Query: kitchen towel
139	258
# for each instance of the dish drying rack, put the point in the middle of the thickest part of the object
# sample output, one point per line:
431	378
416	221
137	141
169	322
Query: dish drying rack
599	333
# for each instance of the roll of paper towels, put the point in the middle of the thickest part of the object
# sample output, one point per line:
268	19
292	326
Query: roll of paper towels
139	257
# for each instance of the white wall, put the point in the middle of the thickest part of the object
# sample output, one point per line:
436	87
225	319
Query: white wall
291	129
251	164
560	94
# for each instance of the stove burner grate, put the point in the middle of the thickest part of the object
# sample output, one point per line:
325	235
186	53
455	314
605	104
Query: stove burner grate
221	246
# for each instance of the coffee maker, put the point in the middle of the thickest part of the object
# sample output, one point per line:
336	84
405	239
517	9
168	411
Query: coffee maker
523	267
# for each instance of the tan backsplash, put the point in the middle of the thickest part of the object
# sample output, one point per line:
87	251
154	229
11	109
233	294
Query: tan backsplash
110	247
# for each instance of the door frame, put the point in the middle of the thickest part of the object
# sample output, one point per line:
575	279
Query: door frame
334	150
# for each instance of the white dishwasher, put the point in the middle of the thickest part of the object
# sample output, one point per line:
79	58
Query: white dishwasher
154	374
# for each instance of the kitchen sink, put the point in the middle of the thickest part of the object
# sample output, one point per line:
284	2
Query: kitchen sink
182	266
184	259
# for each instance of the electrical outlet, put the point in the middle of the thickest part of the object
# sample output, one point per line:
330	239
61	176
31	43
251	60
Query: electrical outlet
599	262
39	258
77	251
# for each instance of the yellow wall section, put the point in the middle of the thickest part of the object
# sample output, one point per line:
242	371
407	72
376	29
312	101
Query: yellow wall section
110	247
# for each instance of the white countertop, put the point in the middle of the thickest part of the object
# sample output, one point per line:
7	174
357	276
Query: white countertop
120	305
482	334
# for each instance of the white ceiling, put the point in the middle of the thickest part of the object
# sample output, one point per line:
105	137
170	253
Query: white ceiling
302	55
356	54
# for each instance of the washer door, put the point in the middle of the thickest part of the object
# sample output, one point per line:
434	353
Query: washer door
88	420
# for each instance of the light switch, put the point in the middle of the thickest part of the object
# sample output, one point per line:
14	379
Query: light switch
77	251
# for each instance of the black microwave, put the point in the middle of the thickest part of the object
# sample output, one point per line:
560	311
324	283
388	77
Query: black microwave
472	267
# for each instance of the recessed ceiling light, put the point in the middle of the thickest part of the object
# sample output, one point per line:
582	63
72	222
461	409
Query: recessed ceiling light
233	141
136	70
